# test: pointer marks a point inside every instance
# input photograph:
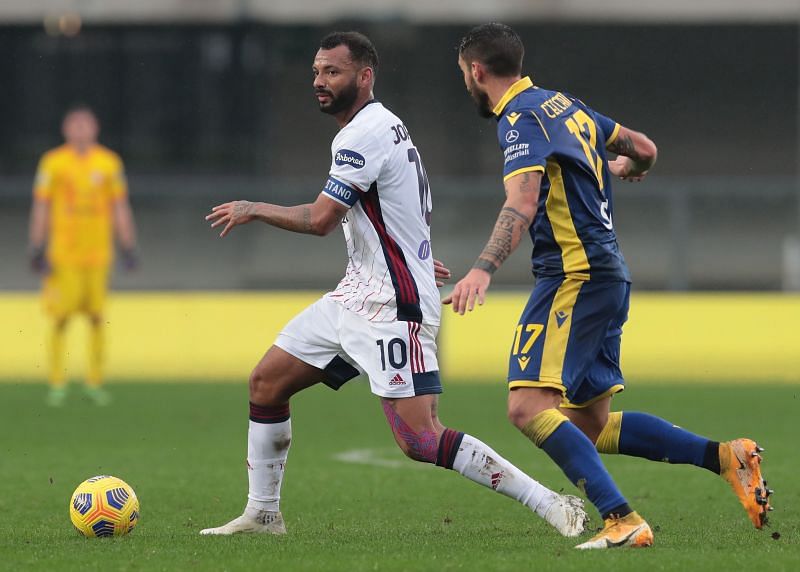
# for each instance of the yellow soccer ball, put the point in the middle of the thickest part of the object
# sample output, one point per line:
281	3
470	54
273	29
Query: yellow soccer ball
104	506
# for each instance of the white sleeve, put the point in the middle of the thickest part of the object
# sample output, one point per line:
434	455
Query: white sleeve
357	160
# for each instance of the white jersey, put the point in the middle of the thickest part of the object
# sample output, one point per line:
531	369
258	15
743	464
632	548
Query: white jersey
377	171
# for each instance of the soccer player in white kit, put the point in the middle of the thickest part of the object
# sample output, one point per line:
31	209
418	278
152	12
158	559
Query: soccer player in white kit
383	317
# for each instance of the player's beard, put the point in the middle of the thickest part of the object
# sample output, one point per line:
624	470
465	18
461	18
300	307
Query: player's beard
338	103
481	99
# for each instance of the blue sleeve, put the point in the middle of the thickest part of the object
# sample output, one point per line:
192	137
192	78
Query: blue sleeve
525	143
608	126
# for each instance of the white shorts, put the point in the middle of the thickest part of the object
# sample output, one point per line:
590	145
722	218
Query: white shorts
398	357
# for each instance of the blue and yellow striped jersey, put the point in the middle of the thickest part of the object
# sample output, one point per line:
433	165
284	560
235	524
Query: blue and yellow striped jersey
558	135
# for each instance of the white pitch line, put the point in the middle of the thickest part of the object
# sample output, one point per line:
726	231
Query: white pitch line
376	458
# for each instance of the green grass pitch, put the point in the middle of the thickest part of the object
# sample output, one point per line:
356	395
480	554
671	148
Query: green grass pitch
182	447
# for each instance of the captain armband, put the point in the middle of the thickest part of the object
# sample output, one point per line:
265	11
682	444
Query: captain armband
341	192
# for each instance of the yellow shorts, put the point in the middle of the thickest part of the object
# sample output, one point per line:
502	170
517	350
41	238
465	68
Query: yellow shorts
75	289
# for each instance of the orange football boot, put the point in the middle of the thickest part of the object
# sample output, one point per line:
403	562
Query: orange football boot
740	465
629	530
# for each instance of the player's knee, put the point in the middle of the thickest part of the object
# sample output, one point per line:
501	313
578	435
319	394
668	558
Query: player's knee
263	390
517	416
521	414
524	404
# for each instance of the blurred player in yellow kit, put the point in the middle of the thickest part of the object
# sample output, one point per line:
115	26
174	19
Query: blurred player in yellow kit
79	201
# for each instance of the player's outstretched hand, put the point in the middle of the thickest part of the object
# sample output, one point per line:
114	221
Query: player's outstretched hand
130	260
622	167
39	263
468	290
440	272
231	214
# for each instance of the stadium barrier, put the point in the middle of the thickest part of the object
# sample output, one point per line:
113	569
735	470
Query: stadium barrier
220	336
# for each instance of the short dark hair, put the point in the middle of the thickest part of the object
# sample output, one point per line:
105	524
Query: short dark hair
79	107
496	46
360	46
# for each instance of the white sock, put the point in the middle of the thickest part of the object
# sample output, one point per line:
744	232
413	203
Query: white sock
480	463
267	449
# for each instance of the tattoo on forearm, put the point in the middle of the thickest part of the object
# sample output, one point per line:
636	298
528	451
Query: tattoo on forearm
306	219
487	265
518	215
525	185
510	225
624	145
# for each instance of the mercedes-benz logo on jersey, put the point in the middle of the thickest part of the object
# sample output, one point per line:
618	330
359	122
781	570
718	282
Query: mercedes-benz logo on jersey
348	157
512	135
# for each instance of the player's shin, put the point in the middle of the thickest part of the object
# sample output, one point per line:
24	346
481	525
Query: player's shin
643	435
268	439
94	374
55	346
480	463
576	455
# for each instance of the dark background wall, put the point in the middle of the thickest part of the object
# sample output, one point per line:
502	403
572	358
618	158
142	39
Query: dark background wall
207	113
718	99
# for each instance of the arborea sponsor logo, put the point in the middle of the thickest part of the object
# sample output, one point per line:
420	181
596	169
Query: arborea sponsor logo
348	157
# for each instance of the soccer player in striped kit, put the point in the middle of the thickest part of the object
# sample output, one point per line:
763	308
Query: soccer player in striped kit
382	318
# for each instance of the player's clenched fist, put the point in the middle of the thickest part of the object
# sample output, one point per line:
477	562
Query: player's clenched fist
231	214
468	290
625	169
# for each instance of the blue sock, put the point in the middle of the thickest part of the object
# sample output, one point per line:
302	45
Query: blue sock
648	436
576	455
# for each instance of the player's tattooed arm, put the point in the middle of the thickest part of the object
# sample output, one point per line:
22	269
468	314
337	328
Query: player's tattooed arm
636	154
623	145
509	228
516	216
319	218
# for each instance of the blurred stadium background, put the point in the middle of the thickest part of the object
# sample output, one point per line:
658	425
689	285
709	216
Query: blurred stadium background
211	100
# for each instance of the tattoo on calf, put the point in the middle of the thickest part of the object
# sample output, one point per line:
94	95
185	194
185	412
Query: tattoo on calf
423	446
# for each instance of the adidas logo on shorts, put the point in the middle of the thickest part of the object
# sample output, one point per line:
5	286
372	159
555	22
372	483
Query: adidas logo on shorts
397	380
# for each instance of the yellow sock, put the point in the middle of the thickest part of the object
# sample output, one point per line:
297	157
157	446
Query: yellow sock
543	425
94	376
56	377
608	440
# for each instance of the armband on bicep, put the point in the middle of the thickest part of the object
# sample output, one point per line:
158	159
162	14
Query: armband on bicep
341	192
